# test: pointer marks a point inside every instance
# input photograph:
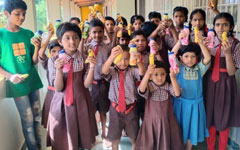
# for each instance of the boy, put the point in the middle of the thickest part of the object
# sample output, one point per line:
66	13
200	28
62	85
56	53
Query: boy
75	20
123	95
154	17
17	58
110	23
124	39
99	89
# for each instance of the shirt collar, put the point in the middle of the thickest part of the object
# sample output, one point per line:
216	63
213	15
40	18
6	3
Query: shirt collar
194	68
157	87
93	43
218	42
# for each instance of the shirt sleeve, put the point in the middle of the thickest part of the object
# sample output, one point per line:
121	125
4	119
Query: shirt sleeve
169	41
236	55
136	73
203	68
145	94
44	62
111	73
52	71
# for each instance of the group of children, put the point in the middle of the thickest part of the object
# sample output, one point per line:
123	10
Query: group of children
85	77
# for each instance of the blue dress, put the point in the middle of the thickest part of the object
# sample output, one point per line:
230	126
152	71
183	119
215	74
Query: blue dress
189	108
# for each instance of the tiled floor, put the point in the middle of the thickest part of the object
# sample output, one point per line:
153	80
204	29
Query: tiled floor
125	144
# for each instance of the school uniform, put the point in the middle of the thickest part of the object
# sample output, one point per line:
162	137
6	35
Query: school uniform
128	119
159	130
71	125
99	88
49	95
221	95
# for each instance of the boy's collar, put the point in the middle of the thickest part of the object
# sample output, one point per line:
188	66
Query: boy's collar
95	43
118	69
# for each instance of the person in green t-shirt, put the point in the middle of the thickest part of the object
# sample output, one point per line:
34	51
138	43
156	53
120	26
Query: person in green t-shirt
17	59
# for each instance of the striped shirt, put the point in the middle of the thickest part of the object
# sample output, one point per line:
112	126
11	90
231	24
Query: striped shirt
157	93
235	51
102	56
131	75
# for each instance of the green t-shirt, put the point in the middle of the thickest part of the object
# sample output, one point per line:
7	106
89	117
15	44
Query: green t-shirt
16	53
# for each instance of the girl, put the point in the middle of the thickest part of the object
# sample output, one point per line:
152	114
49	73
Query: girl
137	21
198	19
222	98
71	124
180	16
189	108
54	47
159	130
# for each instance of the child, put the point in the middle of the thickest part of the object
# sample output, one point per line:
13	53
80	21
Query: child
154	17
159	130
123	95
54	47
99	88
124	39
189	108
141	44
110	23
17	60
221	95
75	20
137	21
71	123
180	16
197	19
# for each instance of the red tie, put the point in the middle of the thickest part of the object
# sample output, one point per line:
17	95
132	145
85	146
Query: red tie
96	50
216	68
121	94
69	87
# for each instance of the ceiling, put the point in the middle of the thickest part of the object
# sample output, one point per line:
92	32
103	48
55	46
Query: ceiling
82	3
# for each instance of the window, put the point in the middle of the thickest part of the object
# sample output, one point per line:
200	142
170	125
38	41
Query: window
230	6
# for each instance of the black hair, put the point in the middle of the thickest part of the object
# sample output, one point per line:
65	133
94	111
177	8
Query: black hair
125	23
202	12
74	18
96	23
162	64
138	32
136	17
148	27
125	47
53	44
191	47
184	10
10	5
228	17
125	35
65	27
154	14
111	19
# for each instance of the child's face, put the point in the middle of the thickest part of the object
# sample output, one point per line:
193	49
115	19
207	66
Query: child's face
110	26
155	20
97	33
189	59
179	18
222	25
137	24
124	62
198	21
16	17
124	40
54	51
159	76
141	42
70	42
